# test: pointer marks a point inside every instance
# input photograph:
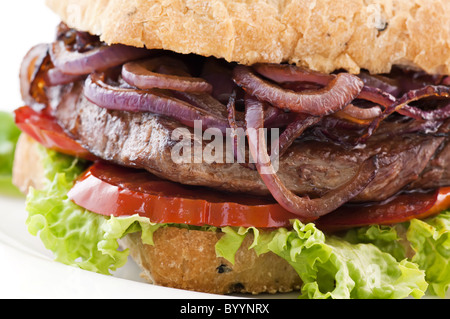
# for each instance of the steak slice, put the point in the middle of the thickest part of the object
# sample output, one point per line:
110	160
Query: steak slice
144	140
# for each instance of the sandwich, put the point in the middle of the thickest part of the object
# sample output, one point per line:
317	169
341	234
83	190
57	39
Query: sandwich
244	147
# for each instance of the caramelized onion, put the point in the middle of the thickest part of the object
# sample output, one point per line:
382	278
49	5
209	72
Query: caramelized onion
307	209
419	114
335	96
97	59
29	68
234	126
377	96
362	113
55	77
291	133
382	83
155	101
141	74
290	73
440	91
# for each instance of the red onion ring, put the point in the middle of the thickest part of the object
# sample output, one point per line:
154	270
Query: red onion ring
290	73
419	114
155	101
362	113
343	89
307	209
29	69
55	77
377	96
141	75
205	102
241	159
291	133
411	96
100	58
382	83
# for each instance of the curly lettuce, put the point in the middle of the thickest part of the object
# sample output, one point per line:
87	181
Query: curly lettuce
370	262
9	134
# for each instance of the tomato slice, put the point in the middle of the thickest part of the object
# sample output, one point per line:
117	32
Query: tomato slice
399	209
108	189
43	128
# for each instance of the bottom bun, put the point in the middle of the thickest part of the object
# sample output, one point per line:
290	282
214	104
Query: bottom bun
181	258
186	259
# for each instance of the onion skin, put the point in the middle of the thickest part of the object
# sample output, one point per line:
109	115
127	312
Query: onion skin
290	73
307	209
419	114
291	133
30	90
341	91
133	100
409	97
141	74
98	59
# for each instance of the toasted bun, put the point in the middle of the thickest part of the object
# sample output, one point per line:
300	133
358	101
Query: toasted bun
28	170
186	259
181	258
324	35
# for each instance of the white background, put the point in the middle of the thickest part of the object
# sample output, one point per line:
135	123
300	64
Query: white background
23	23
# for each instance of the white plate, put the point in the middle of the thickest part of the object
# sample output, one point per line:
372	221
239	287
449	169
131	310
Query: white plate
27	269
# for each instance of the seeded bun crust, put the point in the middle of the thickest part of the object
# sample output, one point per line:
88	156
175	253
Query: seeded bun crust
323	35
181	258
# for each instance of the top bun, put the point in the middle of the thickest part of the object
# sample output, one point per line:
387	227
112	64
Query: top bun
323	35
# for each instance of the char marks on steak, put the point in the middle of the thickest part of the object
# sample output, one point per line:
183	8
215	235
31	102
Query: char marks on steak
309	167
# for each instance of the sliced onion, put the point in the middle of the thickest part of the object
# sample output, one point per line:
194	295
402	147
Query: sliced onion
419	114
141	74
291	133
55	77
98	59
362	113
335	96
155	101
234	126
377	96
29	68
290	73
411	96
382	83
307	209
205	102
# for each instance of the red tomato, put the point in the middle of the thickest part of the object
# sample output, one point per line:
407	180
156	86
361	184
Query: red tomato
43	128
108	189
112	190
399	209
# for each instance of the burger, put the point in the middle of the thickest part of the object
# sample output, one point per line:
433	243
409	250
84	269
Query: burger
244	147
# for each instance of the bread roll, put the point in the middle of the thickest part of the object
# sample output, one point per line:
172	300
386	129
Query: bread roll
324	35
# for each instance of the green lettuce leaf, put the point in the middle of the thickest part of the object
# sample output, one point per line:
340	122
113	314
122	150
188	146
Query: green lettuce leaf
74	235
430	240
331	267
424	242
373	266
9	134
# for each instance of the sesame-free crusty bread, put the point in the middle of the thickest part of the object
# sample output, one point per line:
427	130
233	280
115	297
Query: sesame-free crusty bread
181	258
323	35
186	259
